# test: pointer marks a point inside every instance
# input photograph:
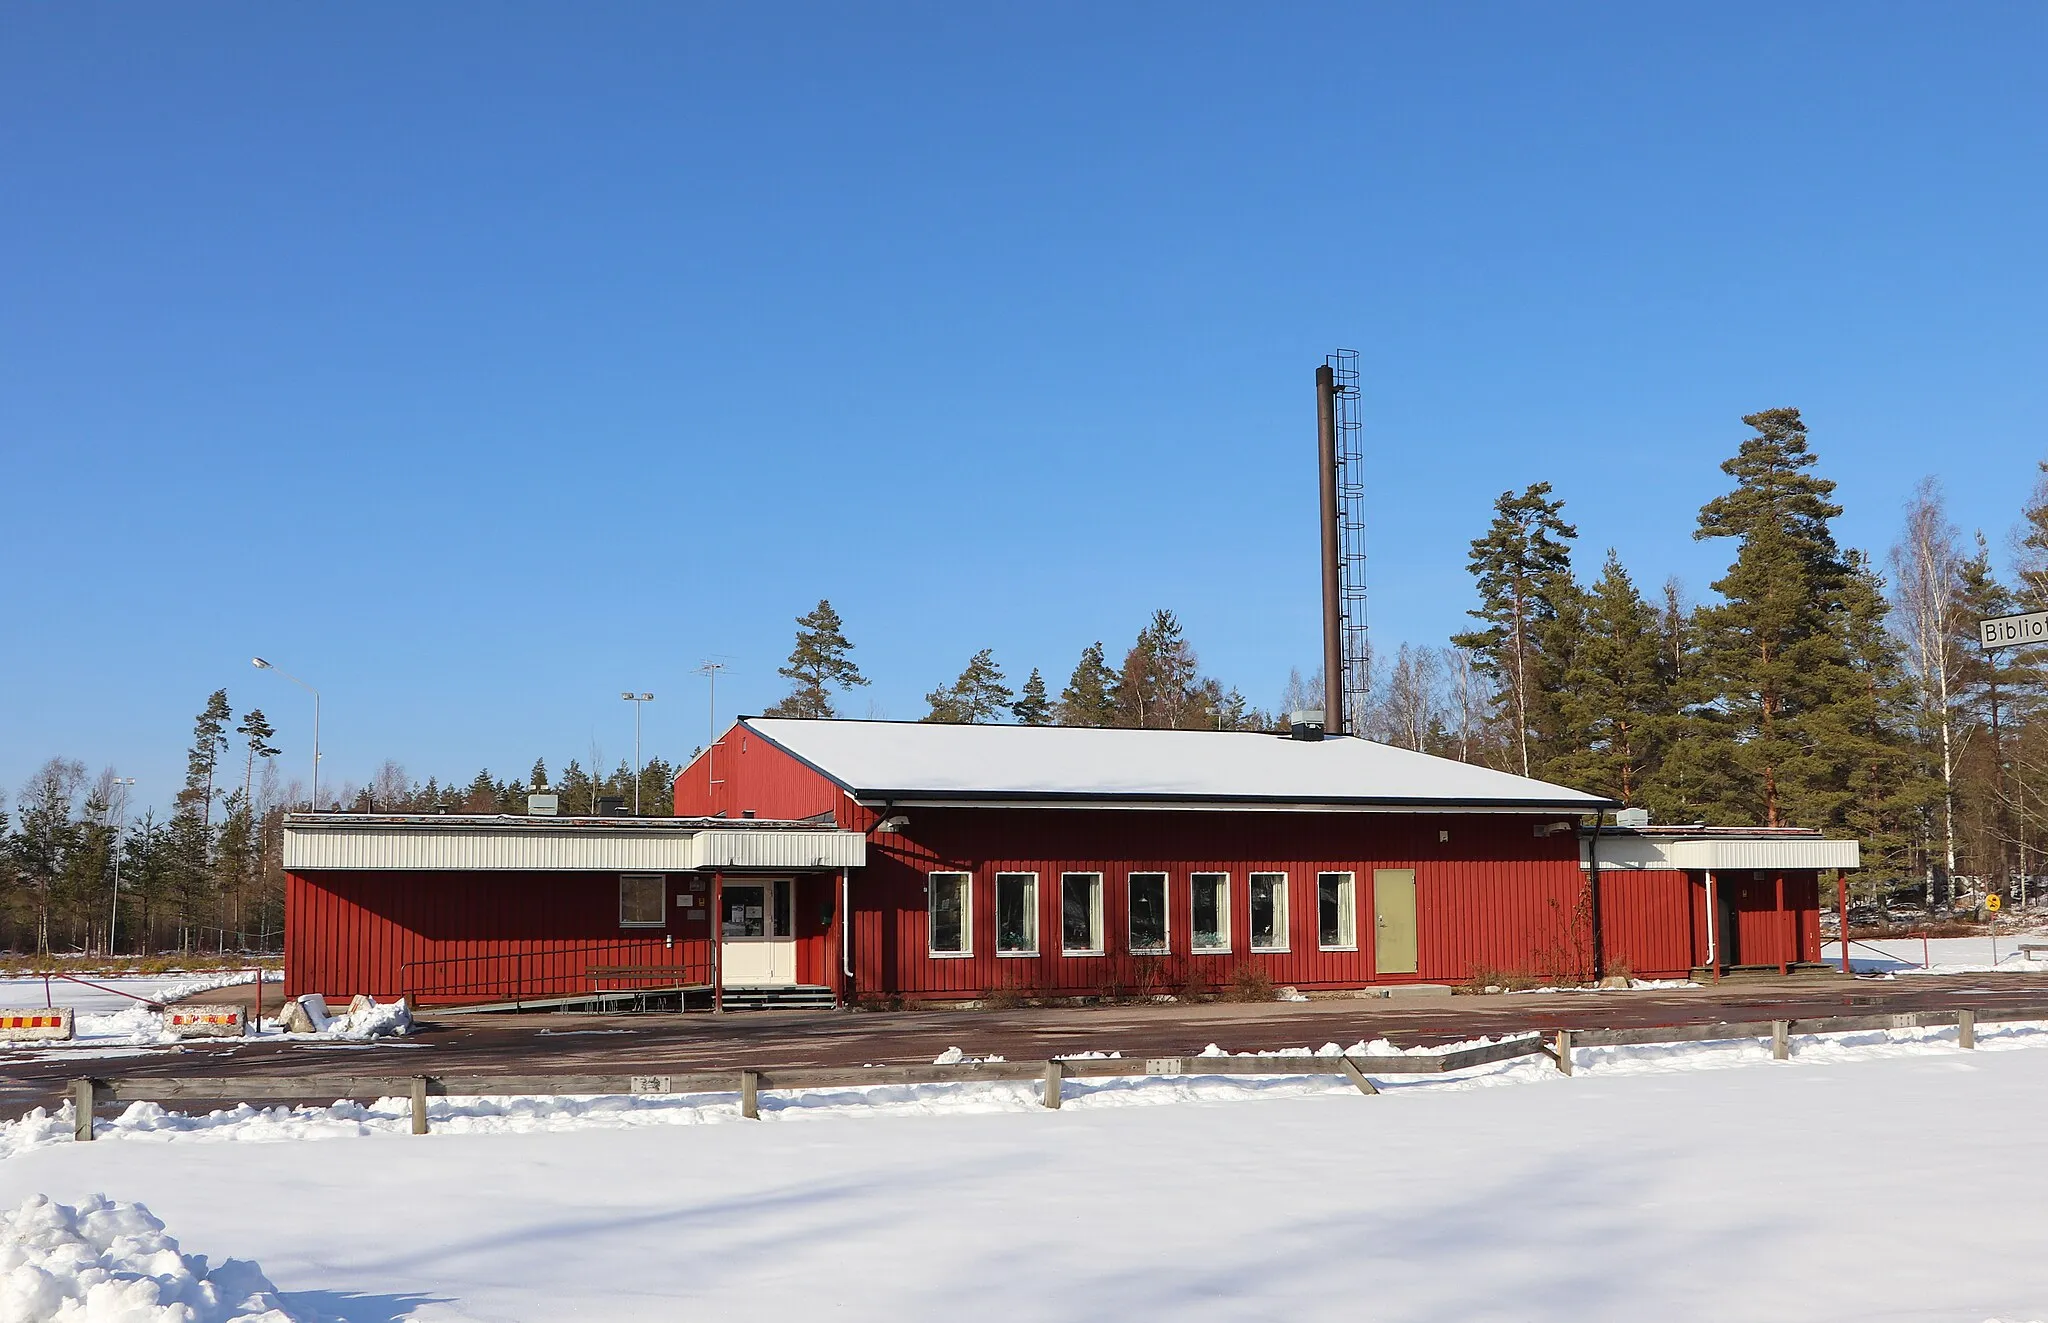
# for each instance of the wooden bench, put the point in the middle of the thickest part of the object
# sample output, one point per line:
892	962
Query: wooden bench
2034	950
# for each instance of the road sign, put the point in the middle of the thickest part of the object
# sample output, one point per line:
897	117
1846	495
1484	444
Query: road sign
1991	903
2010	631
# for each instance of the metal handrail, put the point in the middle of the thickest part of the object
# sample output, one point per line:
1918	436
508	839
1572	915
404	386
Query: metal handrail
524	982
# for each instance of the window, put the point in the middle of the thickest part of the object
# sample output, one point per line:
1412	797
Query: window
1081	913
643	900
1269	911
1148	914
1209	908
746	910
1336	912
949	913
1017	913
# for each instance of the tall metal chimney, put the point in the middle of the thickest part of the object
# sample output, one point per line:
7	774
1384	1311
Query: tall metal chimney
1333	587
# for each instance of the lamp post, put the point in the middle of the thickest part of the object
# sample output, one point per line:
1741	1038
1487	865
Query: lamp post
125	784
636	700
263	665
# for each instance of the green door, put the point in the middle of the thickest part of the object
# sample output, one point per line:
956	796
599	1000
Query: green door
1393	920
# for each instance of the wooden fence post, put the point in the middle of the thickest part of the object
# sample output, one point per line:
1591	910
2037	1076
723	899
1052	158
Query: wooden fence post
1781	1040
1564	1051
419	1104
1357	1076
82	1092
1966	1029
1054	1073
750	1094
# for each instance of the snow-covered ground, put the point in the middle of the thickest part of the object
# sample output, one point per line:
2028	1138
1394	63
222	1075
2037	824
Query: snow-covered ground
1949	955
104	995
1680	1182
128	1027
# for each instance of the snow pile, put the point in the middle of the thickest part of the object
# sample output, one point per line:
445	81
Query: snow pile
365	1019
106	1262
953	1056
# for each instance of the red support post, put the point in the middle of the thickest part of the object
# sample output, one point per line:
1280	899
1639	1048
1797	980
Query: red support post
1842	902
1790	951
717	943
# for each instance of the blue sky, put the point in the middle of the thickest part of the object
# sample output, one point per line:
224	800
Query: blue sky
477	363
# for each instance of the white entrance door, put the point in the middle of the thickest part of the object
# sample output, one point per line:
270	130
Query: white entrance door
757	935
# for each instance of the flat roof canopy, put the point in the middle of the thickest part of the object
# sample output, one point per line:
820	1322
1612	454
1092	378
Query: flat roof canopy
1719	849
352	842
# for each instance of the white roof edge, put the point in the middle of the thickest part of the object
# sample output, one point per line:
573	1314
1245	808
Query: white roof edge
910	803
903	762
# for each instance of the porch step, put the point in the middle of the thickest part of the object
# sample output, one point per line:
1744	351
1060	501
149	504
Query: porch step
1770	974
795	997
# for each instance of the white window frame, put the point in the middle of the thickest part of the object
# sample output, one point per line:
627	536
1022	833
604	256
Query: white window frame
1165	946
661	910
1222	883
1348	889
1094	918
966	913
1283	920
1030	908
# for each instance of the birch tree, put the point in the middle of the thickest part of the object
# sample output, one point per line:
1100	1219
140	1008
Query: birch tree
1927	615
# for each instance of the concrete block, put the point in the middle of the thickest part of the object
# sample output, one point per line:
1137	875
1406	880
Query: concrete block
36	1026
193	1020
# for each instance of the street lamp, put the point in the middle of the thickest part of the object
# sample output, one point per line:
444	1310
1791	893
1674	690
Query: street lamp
126	783
636	700
263	665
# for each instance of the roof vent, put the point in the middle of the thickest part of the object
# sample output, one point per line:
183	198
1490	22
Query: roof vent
1636	818
543	806
1306	724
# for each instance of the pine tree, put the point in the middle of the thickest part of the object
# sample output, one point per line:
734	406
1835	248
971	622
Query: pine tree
1090	696
1158	685
49	834
190	848
1618	692
1032	707
1770	655
973	699
1998	690
1523	567
482	794
1878	786
818	664
538	777
209	741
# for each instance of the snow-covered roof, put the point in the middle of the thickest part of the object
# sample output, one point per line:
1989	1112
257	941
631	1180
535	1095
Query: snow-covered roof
894	760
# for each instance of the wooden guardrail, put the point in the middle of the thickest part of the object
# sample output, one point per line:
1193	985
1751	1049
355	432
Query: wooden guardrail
1359	1068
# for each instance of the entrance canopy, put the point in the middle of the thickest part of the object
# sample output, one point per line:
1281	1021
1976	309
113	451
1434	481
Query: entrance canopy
449	842
1718	849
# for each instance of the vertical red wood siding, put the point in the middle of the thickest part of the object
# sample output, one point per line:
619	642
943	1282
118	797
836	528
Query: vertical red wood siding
1494	895
753	776
452	937
1646	922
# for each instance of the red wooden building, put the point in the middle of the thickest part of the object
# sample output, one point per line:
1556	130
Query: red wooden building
894	860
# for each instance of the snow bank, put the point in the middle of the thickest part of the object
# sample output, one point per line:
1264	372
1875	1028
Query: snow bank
106	1262
391	1117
